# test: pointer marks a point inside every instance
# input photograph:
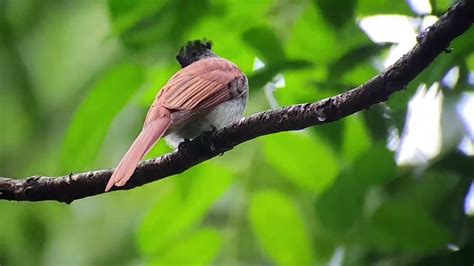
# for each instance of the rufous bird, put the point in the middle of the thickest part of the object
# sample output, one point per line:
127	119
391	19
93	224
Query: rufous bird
208	93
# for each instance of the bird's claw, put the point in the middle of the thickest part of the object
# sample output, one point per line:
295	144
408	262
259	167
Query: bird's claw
206	139
183	143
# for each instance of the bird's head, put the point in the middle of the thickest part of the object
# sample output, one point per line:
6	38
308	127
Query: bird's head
194	51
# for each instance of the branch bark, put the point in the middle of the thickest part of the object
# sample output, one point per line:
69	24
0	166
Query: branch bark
432	42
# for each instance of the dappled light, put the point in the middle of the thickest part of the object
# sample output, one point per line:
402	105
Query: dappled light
421	138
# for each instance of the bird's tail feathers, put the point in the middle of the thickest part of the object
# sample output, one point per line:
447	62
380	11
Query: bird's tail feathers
150	134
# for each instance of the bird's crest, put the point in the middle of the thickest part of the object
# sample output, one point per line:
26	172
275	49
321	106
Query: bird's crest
193	51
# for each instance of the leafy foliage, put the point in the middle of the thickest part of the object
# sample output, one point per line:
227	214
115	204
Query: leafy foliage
271	226
78	76
200	248
338	13
280	150
82	144
177	213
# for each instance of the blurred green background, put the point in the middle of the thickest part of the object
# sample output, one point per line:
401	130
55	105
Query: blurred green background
389	186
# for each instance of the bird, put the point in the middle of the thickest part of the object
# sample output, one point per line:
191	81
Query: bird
207	93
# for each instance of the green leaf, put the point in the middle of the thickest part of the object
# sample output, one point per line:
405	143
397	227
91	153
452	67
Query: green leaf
145	23
354	57
337	12
440	6
126	14
262	76
157	76
331	133
370	7
374	167
301	87
431	189
347	192
356	139
306	161
315	49
402	225
280	229
358	75
470	61
92	120
377	125
218	28
264	40
198	248
327	46
175	214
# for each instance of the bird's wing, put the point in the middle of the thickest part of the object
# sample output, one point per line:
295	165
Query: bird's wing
197	87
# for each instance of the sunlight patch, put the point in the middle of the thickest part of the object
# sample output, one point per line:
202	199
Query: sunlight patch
397	29
451	78
258	64
464	110
469	201
421	138
278	82
421	7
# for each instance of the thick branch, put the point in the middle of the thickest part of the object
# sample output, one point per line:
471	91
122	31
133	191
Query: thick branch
431	43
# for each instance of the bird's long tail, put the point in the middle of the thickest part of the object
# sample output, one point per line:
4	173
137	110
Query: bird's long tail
150	134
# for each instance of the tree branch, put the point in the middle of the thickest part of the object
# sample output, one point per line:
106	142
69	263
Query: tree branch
432	42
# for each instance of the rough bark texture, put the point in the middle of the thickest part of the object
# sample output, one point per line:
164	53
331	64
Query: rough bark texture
432	42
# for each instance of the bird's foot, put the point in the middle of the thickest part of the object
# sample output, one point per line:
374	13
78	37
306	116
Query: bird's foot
182	144
206	139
